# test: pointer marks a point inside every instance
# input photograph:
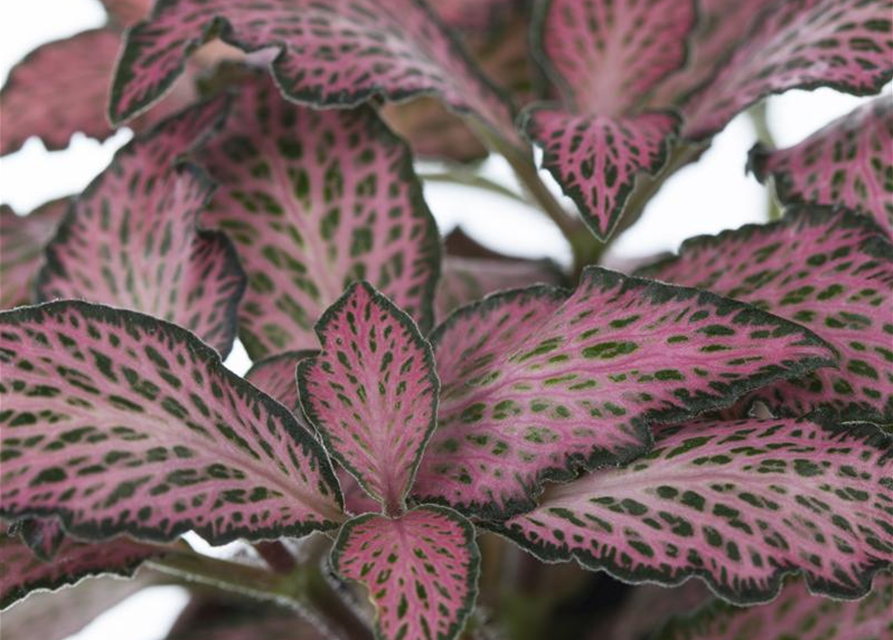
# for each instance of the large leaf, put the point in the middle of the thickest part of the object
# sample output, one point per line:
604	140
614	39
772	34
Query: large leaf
849	162
805	44
338	53
421	570
829	270
605	57
794	614
538	383
132	238
120	423
313	201
739	504
22	240
372	392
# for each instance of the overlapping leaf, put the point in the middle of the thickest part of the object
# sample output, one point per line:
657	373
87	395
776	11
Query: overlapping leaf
474	15
315	200
22	240
43	536
421	570
739	504
844	44
794	614
275	376
132	238
849	162
330	54
831	271
372	392
538	382
116	422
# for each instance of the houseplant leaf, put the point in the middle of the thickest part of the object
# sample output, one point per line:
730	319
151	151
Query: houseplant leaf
117	422
849	162
738	504
132	240
372	392
421	570
538	383
829	270
314	200
43	536
275	376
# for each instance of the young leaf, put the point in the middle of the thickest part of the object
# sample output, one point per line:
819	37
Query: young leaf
798	44
738	504
332	54
372	392
42	535
795	613
132	240
315	200
275	376
605	57
829	270
117	422
22	240
538	383
421	570
849	162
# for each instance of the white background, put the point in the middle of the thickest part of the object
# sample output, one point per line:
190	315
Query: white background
713	195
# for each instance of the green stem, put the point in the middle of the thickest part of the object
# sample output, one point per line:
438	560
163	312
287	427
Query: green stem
760	122
467	179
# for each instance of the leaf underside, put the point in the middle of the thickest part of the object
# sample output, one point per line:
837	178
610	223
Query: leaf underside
738	504
538	383
116	422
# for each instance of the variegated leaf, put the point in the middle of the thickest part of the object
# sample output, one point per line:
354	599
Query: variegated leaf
315	200
539	383
132	238
849	162
421	570
829	270
372	392
738	504
116	422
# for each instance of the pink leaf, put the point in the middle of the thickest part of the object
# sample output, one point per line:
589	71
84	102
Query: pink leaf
738	504
372	392
849	162
539	383
126	12
421	570
338	53
475	15
132	239
275	376
315	200
831	271
805	44
22	240
116	422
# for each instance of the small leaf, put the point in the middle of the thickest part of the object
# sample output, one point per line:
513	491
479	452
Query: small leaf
372	392
421	570
849	162
116	422
805	44
793	614
22	240
42	535
738	504
831	271
315	200
275	376
132	241
539	383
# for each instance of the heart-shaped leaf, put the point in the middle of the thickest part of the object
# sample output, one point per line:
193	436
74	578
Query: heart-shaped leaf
805	44
22	240
538	383
337	53
831	271
275	376
421	570
120	423
132	240
372	392
315	200
795	613
849	162
739	504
